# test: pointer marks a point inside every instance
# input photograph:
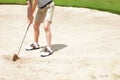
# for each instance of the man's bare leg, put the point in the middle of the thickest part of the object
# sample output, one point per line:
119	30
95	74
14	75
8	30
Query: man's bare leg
36	32
48	33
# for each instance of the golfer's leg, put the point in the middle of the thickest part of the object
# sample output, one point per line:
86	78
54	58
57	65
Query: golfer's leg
48	32
47	23
36	32
38	20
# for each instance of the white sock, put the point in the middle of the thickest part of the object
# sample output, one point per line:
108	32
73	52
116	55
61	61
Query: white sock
35	43
49	48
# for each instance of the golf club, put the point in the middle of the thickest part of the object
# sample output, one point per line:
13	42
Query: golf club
15	56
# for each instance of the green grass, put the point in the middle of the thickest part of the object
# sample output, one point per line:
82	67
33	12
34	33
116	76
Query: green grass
104	5
13	2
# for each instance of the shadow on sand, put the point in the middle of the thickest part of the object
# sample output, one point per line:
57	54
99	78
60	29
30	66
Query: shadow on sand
56	47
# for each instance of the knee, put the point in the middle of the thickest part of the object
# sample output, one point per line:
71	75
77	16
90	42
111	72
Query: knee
35	26
46	28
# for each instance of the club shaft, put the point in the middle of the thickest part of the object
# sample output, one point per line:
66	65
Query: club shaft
23	39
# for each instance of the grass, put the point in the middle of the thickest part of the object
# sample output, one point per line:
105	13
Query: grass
104	5
13	2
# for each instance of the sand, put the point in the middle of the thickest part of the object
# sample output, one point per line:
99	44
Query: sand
86	44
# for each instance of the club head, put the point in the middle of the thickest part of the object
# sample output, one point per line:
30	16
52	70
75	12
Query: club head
15	57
